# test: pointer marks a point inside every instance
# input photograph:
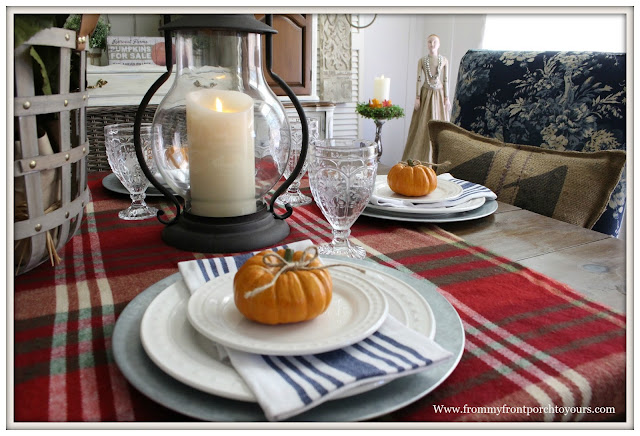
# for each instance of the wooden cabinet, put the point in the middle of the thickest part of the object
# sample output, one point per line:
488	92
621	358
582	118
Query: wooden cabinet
291	52
292	60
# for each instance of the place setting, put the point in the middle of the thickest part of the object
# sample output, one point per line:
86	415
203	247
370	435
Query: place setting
189	344
438	199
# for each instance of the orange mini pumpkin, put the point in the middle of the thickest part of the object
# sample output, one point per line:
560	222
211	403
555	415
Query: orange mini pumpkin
412	179
297	294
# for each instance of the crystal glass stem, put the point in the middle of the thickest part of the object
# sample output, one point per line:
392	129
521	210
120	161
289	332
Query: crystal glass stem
341	246
138	209
294	188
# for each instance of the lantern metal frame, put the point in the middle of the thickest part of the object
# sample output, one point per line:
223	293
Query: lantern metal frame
195	233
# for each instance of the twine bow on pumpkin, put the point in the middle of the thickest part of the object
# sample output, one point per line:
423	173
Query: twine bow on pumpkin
286	263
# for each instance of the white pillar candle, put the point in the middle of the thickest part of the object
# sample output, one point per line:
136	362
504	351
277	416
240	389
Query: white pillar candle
381	87
221	153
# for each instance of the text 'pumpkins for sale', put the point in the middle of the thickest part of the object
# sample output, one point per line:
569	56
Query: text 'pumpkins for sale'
282	287
412	179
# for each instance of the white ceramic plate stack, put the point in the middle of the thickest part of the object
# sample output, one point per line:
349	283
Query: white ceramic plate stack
170	353
428	208
181	332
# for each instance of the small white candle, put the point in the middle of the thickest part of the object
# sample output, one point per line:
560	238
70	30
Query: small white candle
221	153
381	87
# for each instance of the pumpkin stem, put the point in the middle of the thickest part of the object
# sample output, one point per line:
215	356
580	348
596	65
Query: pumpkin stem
412	162
288	254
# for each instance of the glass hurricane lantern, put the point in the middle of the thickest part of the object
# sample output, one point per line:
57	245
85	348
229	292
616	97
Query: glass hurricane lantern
221	136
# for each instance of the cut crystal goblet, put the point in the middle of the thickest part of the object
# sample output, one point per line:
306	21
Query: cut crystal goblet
121	154
342	174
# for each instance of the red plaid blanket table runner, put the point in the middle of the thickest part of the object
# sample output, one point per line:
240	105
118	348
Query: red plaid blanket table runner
535	349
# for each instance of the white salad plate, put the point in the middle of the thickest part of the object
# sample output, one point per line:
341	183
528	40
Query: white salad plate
358	308
472	204
446	190
179	350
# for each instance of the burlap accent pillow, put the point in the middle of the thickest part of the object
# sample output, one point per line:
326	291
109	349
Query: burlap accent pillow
570	186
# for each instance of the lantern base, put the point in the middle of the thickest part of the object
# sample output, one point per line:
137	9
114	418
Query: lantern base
225	235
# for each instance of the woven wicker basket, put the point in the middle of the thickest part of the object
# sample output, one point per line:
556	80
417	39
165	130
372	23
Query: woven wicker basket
97	119
50	190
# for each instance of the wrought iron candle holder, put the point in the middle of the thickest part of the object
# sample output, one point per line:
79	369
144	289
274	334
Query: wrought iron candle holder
221	137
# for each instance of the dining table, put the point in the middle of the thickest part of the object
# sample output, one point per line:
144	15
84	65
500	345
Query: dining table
537	309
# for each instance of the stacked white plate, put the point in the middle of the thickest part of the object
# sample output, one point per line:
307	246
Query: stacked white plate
446	203
180	332
162	353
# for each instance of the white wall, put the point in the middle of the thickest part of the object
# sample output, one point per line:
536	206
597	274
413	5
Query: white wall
392	46
134	24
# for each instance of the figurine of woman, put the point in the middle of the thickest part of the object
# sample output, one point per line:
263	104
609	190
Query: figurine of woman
432	101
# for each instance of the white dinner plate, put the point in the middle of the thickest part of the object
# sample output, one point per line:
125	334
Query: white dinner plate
486	209
446	190
472	204
180	351
357	309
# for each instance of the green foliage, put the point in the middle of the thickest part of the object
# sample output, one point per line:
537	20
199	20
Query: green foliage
98	38
45	59
25	26
45	85
380	113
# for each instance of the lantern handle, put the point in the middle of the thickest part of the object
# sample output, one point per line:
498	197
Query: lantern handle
268	19
168	49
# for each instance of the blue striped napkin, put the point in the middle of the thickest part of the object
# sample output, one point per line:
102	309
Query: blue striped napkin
470	191
289	385
285	386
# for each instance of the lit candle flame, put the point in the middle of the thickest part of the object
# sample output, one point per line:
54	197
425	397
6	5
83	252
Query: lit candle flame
218	105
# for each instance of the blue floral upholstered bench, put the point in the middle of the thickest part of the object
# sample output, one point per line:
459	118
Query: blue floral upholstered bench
573	101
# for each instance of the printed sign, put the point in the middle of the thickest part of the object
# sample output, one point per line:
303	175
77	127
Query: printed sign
136	50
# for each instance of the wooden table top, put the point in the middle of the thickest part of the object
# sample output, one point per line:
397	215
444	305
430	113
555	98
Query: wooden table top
592	263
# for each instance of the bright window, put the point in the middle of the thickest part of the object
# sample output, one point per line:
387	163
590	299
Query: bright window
541	32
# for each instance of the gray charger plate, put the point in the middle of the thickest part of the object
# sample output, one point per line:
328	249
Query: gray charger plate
150	380
489	207
112	184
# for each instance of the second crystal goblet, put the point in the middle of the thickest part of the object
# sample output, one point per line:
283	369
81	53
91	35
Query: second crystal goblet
342	174
121	154
294	196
